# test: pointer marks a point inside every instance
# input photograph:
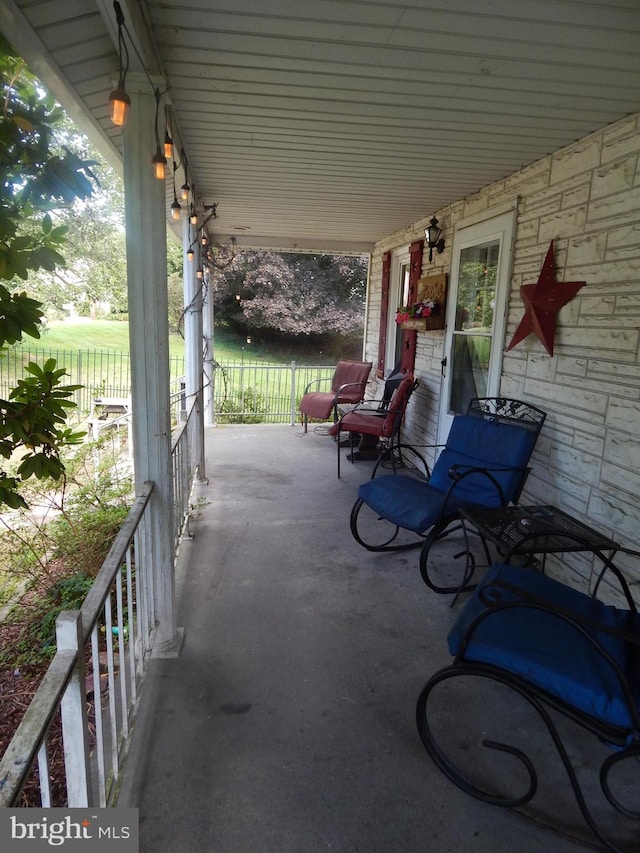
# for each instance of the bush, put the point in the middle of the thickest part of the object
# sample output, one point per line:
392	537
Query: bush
237	408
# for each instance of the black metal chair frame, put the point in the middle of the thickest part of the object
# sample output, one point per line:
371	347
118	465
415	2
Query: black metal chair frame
624	741
501	409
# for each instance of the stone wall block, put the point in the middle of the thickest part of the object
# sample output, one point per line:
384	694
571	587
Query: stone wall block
583	156
624	206
618	511
589	249
616	340
624	415
622	144
563	224
615	178
591	306
571	366
623	449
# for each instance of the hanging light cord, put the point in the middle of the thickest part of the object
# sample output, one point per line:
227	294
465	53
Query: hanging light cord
122	27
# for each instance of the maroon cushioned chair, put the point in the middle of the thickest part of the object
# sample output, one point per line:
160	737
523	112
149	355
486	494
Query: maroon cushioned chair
367	420
347	386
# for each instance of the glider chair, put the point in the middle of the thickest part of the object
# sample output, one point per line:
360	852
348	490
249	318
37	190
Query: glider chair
550	648
347	386
383	422
483	463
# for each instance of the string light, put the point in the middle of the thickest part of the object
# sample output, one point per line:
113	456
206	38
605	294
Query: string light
159	160
168	141
118	99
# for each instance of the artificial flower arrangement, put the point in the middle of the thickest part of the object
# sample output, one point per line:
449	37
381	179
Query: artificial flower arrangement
419	311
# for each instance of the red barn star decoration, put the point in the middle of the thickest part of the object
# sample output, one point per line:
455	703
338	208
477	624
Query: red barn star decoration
542	301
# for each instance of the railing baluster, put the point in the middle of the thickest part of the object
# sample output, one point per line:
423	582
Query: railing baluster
97	704
73	707
43	775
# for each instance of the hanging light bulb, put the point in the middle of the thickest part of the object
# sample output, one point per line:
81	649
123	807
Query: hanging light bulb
199	273
190	253
176	208
185	188
168	141
168	145
159	165
193	218
203	239
119	101
158	160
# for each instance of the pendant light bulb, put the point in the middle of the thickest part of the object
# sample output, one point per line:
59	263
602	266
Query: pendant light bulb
168	145
159	165
119	102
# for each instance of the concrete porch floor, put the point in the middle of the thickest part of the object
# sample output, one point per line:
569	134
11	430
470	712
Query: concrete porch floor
287	724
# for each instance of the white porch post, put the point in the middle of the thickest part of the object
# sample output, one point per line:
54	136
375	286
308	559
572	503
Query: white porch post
193	342
209	357
145	220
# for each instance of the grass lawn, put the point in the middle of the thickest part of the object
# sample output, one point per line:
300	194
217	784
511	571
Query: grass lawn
92	334
83	334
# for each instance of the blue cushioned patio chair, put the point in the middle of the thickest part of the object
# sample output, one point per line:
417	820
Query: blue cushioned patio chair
558	649
483	463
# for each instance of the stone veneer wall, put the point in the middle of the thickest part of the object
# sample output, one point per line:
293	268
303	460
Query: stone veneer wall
585	197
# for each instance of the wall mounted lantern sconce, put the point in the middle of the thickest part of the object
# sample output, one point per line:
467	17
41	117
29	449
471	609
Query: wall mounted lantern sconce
433	233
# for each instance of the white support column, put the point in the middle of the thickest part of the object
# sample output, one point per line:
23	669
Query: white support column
145	220
209	354
193	342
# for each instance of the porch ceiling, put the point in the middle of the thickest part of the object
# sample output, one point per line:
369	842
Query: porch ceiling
327	124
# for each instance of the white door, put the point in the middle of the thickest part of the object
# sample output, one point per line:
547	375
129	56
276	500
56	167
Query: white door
475	321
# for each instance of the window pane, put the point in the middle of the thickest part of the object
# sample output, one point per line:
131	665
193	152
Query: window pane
470	370
477	287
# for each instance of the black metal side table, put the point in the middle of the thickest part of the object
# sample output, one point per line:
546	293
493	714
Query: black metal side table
527	531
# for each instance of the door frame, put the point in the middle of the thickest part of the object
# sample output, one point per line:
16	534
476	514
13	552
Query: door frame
399	258
499	223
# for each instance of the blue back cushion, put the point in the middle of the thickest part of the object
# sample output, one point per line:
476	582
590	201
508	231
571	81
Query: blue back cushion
548	651
476	442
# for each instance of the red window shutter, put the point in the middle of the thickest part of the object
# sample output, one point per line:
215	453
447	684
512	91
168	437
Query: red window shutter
384	313
410	336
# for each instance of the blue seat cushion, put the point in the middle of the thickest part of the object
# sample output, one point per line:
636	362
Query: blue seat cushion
406	501
547	651
474	442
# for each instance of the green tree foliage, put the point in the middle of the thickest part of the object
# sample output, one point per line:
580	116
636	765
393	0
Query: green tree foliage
95	254
293	294
37	178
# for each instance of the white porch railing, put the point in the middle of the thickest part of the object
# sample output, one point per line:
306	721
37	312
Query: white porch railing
88	697
184	471
85	704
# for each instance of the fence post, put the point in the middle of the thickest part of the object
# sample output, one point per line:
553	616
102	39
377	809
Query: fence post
293	393
73	710
79	382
